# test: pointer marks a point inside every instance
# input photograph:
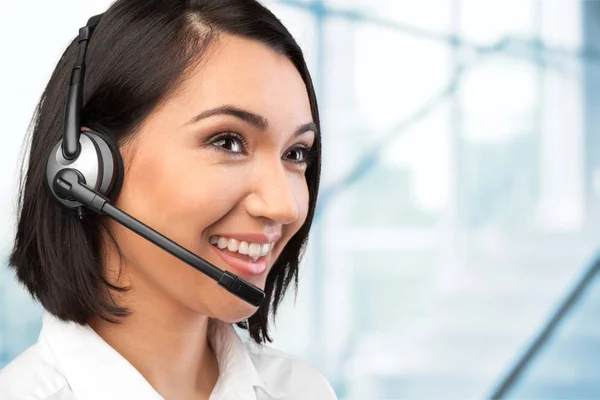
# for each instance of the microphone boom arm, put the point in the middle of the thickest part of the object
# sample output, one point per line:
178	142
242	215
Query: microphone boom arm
68	184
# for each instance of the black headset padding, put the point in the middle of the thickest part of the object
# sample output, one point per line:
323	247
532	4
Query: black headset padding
117	161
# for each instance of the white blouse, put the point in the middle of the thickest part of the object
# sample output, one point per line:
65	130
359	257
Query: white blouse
72	362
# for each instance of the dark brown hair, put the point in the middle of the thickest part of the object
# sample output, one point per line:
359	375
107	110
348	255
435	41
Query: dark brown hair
140	51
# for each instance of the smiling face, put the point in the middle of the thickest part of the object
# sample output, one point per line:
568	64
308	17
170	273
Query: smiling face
222	158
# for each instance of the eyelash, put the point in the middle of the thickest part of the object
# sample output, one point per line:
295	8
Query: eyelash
308	159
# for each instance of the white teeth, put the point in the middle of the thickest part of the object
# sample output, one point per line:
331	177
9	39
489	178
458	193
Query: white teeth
264	249
254	250
243	248
233	245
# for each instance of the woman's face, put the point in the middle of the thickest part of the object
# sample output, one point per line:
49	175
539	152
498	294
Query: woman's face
223	157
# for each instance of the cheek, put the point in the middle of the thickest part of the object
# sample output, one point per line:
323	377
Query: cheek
177	195
178	190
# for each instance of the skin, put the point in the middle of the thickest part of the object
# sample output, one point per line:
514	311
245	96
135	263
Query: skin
184	183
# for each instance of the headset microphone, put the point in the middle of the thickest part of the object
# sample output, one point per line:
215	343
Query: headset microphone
85	169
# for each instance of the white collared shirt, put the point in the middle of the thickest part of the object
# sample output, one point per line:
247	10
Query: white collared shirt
72	362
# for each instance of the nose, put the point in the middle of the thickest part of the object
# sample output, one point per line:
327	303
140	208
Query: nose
273	197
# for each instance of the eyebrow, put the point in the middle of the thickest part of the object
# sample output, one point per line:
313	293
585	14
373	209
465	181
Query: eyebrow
248	117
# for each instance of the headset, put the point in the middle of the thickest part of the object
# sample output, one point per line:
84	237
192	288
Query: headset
85	169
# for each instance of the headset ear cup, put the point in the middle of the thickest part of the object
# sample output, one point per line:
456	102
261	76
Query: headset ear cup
112	162
119	170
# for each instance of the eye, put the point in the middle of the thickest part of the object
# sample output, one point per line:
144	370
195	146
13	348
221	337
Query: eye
302	155
230	142
299	154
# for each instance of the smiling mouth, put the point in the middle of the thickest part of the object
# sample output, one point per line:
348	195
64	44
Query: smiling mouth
243	265
246	258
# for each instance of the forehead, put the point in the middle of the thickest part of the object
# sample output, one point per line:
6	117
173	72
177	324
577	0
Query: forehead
250	75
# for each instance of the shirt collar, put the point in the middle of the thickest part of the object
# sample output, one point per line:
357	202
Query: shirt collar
96	371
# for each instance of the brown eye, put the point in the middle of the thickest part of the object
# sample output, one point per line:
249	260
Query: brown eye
301	155
230	142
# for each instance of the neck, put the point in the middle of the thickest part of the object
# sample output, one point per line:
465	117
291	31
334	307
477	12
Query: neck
168	345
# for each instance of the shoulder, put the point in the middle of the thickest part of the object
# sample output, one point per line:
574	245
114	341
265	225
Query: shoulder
289	374
33	375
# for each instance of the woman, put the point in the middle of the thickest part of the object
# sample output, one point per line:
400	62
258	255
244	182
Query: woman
212	110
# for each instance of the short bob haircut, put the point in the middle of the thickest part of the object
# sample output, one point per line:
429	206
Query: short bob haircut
139	53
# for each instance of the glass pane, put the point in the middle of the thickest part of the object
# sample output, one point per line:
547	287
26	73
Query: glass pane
569	362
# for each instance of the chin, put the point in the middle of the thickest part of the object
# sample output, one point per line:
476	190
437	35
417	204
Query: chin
233	310
225	306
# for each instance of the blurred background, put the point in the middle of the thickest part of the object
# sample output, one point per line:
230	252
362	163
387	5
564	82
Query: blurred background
454	250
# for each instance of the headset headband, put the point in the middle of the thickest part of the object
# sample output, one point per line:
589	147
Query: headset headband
71	146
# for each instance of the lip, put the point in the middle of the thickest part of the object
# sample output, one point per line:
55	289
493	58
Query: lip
257	238
242	267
